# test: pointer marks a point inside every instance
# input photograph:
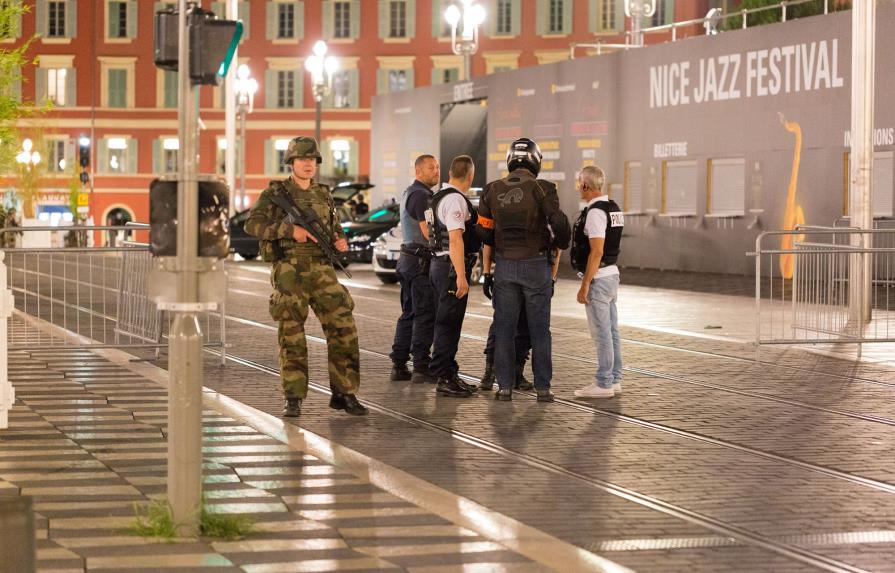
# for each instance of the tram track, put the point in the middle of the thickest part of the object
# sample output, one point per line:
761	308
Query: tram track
715	525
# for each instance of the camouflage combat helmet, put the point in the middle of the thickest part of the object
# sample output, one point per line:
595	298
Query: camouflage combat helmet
302	147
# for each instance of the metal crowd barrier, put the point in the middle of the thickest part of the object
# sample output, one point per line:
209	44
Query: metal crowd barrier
92	296
812	288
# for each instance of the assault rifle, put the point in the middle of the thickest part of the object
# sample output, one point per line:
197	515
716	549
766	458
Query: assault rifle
309	221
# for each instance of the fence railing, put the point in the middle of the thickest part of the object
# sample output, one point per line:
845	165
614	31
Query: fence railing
95	297
825	285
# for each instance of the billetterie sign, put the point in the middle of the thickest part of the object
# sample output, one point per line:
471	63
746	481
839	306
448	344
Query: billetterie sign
794	68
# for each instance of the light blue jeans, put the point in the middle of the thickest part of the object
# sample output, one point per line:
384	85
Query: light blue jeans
602	318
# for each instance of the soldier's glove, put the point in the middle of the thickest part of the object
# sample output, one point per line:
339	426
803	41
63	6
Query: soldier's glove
488	285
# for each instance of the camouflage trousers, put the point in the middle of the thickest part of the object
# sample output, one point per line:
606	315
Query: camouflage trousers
300	283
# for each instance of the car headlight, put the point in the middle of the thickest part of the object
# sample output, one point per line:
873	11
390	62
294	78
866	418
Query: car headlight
360	239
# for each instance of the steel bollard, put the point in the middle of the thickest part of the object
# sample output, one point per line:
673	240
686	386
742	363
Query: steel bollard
17	545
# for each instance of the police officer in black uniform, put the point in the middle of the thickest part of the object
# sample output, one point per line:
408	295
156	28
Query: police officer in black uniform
416	325
455	245
520	217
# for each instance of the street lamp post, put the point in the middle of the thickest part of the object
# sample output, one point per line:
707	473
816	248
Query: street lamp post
321	67
245	95
636	10
28	160
465	22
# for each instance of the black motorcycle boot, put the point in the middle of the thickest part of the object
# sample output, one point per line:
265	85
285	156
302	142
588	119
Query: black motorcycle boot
292	409
464	384
400	372
452	388
349	403
421	375
522	382
545	395
504	394
487	383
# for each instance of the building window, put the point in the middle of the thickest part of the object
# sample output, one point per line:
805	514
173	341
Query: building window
607	14
633	188
397	80
397	19
341	90
170	147
660	17
679	188
221	163
555	22
285	89
726	195
117	155
118	20
56	155
56	82
504	24
280	145
117	88
341	19
285	21
340	151
55	19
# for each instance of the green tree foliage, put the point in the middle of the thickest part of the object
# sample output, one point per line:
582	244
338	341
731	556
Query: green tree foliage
12	61
772	15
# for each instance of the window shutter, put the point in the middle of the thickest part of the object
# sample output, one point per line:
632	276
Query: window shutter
219	9
355	18
244	13
328	24
110	22
170	89
269	157
40	77
270	89
131	155
437	76
411	18
157	156
132	19
383	19
325	150
593	16
15	87
619	24
353	159
490	19
17	25
271	20
410	83
71	87
568	10
381	81
299	20
102	156
298	88
669	11
516	17
40	14
354	86
71	19
542	15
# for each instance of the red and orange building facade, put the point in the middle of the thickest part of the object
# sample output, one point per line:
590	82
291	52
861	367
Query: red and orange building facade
94	60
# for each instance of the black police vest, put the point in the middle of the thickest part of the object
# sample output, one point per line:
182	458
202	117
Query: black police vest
520	227
615	223
441	240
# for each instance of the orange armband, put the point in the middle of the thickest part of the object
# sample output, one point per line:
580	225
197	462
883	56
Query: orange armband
485	222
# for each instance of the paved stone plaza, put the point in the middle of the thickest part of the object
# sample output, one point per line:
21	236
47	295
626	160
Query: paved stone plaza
709	461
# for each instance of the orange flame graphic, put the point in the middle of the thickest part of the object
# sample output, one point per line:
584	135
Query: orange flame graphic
793	215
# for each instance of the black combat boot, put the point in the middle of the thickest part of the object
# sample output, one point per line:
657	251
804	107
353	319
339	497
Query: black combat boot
349	403
452	387
292	409
545	395
400	372
421	375
522	383
487	383
504	394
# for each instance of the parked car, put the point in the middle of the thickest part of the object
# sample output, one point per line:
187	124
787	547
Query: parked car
344	192
365	230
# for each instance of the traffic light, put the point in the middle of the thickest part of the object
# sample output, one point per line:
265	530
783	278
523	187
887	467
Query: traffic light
84	151
213	43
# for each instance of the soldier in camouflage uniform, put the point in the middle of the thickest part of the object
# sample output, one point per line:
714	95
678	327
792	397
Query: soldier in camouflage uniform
303	277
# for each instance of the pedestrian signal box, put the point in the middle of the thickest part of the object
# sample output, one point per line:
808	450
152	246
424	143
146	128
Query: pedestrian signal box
214	222
213	43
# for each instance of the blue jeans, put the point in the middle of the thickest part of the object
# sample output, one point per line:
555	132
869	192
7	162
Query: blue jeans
415	329
602	318
526	283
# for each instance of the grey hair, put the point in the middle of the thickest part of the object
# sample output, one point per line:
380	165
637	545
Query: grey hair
593	177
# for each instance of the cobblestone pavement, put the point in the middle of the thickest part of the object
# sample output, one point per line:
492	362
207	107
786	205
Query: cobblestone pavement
87	441
710	461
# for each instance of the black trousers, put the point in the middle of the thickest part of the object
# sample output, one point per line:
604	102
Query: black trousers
449	314
523	341
416	325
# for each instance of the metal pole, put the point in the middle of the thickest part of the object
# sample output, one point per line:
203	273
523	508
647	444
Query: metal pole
861	196
242	156
230	118
467	67
185	342
318	116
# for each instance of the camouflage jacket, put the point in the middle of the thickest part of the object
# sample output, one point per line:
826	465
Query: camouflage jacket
270	224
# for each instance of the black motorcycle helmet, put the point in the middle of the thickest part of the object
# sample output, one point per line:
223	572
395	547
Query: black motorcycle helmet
524	153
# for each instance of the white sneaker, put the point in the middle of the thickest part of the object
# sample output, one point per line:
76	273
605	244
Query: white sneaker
594	391
617	388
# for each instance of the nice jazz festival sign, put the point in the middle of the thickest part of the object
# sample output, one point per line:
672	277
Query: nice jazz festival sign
787	69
